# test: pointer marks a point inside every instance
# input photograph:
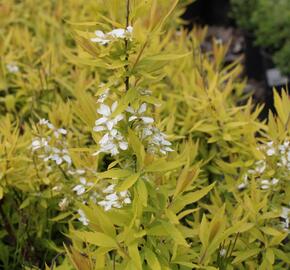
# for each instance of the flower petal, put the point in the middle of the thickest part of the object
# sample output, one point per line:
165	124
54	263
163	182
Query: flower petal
104	110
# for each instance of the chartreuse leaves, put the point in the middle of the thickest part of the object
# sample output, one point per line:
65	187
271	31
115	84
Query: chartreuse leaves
129	182
188	198
183	211
138	148
96	238
162	165
241	256
152	259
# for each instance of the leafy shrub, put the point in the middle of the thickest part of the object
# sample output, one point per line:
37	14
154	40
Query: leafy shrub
141	158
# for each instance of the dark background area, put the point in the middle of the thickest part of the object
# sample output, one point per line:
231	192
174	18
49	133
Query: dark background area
216	14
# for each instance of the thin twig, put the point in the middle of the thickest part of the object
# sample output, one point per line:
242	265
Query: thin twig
114	260
127	79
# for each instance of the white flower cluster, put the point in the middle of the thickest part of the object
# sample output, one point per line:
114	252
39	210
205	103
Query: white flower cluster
284	153
48	150
138	115
114	199
12	68
156	139
280	153
112	141
119	33
158	142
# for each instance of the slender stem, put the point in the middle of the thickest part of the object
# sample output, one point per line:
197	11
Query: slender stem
127	13
127	79
63	172
140	54
114	260
8	227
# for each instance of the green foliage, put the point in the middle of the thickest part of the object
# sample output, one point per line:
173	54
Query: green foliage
135	153
268	20
242	11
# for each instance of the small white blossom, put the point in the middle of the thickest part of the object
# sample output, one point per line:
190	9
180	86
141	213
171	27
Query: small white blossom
260	166
12	68
159	141
104	95
119	33
114	199
100	38
271	152
106	121
38	143
244	184
81	188
63	204
275	181
138	114
109	189
285	214
113	140
223	252
43	121
83	219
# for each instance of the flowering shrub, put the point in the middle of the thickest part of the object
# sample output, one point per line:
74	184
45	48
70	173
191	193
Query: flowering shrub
142	158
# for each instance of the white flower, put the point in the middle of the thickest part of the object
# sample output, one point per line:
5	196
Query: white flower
113	140
260	166
109	189
271	152
223	252
242	186
265	184
63	204
59	155
119	33
81	188
43	121
114	199
285	215
159	140
38	143
123	145
106	121
275	181
103	96
100	38
12	68
59	131
138	114
83	219
58	160
130	29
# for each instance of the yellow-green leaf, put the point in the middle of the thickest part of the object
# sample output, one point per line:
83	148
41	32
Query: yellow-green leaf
129	182
96	238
